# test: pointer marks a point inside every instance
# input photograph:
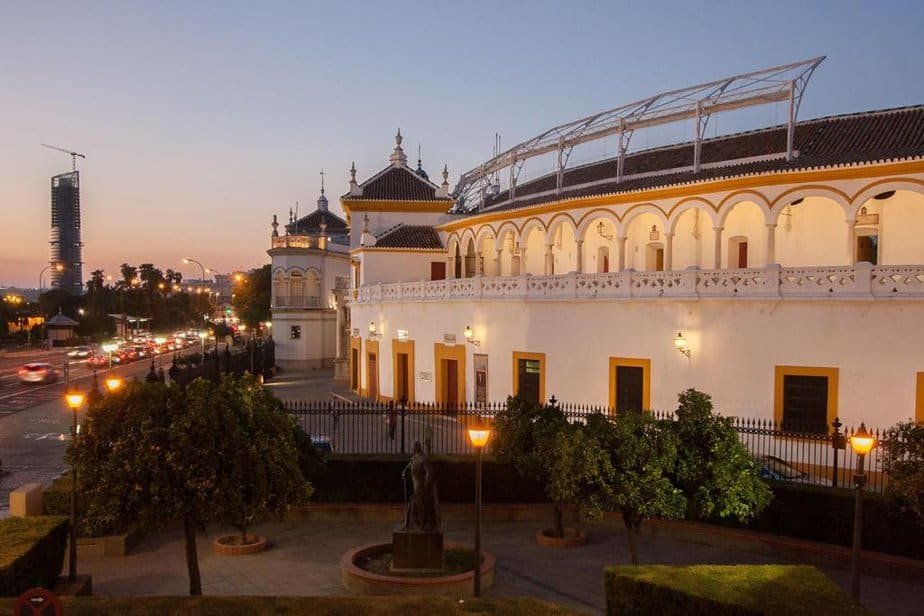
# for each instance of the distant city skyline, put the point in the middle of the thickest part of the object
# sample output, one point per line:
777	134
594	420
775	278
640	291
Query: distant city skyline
200	123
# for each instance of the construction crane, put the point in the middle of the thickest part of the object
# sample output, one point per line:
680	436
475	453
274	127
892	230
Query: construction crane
74	155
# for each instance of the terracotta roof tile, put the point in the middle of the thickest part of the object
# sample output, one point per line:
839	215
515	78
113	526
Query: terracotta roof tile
399	184
836	140
312	223
410	236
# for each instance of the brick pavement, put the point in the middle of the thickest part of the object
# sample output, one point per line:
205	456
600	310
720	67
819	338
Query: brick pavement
304	560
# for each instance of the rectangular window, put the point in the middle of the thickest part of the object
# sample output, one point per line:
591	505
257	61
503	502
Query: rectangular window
295	332
868	249
437	270
630	384
529	376
805	398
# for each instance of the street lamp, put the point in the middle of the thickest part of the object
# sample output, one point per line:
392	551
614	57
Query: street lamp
862	442
74	401
109	347
479	438
58	268
113	384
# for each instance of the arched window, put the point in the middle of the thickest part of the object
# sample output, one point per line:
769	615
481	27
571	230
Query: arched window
279	289
312	289
296	288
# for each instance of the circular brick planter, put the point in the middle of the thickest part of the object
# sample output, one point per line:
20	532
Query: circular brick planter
364	582
573	538
227	545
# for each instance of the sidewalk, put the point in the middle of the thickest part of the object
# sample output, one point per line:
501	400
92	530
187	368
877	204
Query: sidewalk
304	559
308	385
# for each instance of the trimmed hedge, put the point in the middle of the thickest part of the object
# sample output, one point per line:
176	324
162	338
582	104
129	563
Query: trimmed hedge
31	553
717	590
296	606
823	514
814	513
377	479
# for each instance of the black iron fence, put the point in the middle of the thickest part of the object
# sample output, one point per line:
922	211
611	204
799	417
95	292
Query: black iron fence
366	427
254	357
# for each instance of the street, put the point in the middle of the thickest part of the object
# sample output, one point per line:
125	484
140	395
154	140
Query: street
35	422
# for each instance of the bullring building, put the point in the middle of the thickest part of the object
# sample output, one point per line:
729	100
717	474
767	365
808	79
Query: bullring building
781	269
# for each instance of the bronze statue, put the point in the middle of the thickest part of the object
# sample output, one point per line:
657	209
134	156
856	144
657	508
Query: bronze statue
423	507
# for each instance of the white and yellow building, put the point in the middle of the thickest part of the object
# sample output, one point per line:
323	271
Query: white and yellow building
785	279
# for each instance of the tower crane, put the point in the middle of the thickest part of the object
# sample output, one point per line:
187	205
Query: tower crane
74	155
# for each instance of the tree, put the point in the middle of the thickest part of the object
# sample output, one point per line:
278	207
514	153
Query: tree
524	435
902	453
129	272
579	473
252	297
153	454
714	469
262	472
643	451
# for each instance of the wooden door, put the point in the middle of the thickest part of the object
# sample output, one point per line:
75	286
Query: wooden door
630	388
372	376
402	372
451	378
437	270
354	370
742	254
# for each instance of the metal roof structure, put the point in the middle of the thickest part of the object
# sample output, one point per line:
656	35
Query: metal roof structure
771	85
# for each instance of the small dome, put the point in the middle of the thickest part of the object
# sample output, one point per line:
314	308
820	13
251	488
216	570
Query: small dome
420	171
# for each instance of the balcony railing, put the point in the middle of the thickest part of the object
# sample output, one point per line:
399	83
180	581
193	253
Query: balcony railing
774	282
284	301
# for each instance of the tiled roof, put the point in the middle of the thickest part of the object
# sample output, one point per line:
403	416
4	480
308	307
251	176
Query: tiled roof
836	140
398	183
410	236
312	223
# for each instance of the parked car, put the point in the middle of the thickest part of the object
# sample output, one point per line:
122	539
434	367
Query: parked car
778	469
81	352
322	444
37	373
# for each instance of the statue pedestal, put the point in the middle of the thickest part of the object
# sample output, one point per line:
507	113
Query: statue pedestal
417	550
341	372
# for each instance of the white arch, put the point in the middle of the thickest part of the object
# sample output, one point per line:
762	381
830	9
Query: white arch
508	226
532	223
452	241
644	208
467	235
694	203
880	187
742	197
482	233
594	215
559	219
811	191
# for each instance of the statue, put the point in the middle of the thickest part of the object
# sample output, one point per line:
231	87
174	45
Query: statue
423	507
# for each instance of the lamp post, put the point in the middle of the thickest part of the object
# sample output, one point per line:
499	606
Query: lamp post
74	401
109	347
862	442
479	438
58	268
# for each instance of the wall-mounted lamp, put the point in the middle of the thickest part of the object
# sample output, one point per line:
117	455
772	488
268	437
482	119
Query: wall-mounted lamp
654	235
680	343
470	336
602	230
372	330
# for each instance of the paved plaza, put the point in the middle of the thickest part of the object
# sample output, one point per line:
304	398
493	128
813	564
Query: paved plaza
304	559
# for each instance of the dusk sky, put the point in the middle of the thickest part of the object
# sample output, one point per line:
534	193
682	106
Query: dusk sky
201	120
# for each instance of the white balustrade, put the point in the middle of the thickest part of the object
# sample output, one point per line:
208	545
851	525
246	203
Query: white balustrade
838	282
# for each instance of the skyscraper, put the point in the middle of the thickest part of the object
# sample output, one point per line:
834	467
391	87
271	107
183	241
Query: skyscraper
65	232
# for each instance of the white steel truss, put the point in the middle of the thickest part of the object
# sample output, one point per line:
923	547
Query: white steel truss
771	85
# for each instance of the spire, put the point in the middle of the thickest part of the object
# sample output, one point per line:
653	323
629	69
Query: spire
398	158
322	200
443	190
275	227
420	170
355	190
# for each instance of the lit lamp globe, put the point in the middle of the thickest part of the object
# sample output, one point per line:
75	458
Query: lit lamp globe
113	383
479	436
75	400
862	442
109	347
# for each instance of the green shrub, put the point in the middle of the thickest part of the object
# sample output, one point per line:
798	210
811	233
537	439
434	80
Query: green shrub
717	590
31	553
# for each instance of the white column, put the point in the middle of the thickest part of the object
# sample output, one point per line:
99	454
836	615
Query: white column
852	241
450	266
717	248
522	269
668	252
620	253
771	244
549	260
498	261
479	264
580	255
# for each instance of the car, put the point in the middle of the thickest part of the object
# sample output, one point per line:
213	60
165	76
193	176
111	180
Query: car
777	469
99	360
322	444
81	352
37	373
